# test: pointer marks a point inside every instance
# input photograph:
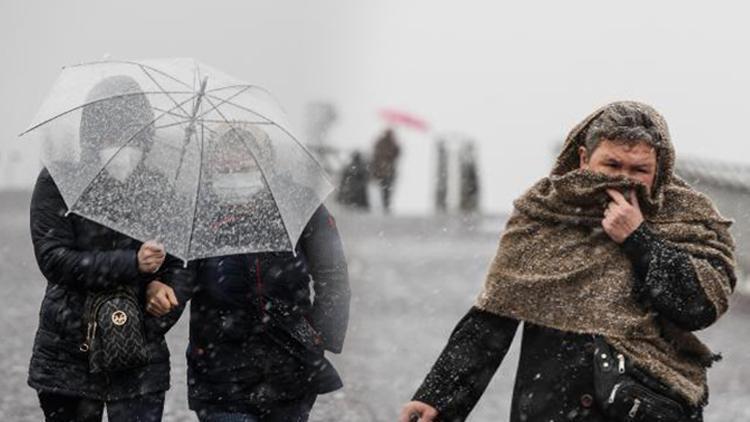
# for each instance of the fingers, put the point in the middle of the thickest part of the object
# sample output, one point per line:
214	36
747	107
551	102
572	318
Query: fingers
161	302
154	245
633	199
148	268
153	249
417	412
158	263
407	412
408	416
155	310
617	197
150	265
152	260
160	298
159	305
151	256
171	297
430	414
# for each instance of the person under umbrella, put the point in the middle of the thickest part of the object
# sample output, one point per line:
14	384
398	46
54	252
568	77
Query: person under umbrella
187	103
260	322
80	257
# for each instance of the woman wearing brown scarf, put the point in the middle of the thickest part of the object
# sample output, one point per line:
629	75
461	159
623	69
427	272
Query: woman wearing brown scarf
612	244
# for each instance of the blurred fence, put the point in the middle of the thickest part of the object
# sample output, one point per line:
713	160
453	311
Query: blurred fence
728	184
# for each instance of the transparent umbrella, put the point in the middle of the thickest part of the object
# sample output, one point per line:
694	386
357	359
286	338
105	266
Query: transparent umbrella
175	150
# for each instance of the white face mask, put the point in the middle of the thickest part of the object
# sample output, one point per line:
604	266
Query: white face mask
237	188
123	164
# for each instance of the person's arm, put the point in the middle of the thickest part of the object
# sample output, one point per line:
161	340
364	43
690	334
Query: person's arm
181	280
666	280
474	351
55	249
322	246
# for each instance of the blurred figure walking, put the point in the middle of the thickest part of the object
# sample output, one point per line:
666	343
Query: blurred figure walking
469	200
384	159
441	190
354	181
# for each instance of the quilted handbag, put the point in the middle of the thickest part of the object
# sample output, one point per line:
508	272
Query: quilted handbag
115	334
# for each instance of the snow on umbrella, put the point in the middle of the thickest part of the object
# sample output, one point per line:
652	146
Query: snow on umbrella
178	151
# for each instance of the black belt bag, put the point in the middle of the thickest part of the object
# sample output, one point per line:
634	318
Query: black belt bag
628	394
115	334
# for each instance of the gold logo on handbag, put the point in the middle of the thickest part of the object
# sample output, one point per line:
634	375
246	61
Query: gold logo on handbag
119	317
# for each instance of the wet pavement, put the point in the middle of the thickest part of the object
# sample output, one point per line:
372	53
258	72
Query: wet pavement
412	280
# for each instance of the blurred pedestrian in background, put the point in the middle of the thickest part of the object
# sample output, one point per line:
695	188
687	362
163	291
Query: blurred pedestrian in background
469	198
355	180
384	160
441	188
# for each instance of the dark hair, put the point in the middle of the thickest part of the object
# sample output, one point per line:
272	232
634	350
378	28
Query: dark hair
621	123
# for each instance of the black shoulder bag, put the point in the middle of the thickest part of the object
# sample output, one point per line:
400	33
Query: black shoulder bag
115	332
628	394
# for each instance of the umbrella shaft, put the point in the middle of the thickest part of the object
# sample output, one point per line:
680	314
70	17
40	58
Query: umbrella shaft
191	127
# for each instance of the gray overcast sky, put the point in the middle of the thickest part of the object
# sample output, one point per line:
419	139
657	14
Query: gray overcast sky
516	77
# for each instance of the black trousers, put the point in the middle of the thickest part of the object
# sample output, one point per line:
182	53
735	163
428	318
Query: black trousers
290	411
61	408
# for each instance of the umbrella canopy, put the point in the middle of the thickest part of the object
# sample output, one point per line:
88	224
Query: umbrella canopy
402	118
181	152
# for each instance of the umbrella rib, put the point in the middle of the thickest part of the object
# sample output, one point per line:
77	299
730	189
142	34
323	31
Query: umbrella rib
262	172
197	194
88	185
250	122
168	125
283	129
98	101
143	68
258	87
241	107
196	80
224	101
161	110
135	64
196	74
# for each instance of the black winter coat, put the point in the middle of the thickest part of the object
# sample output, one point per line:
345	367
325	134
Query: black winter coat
257	331
77	256
554	380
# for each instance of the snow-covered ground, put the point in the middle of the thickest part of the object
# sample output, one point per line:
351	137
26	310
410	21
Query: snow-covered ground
412	279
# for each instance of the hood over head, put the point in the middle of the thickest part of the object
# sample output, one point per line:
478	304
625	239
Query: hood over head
568	160
117	113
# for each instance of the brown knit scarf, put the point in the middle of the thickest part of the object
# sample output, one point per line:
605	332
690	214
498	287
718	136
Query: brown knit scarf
557	268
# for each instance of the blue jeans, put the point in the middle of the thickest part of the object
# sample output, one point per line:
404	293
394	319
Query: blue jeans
61	408
294	411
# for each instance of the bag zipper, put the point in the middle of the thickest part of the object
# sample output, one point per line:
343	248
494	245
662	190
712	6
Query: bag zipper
90	330
91	326
621	363
661	398
611	398
634	410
